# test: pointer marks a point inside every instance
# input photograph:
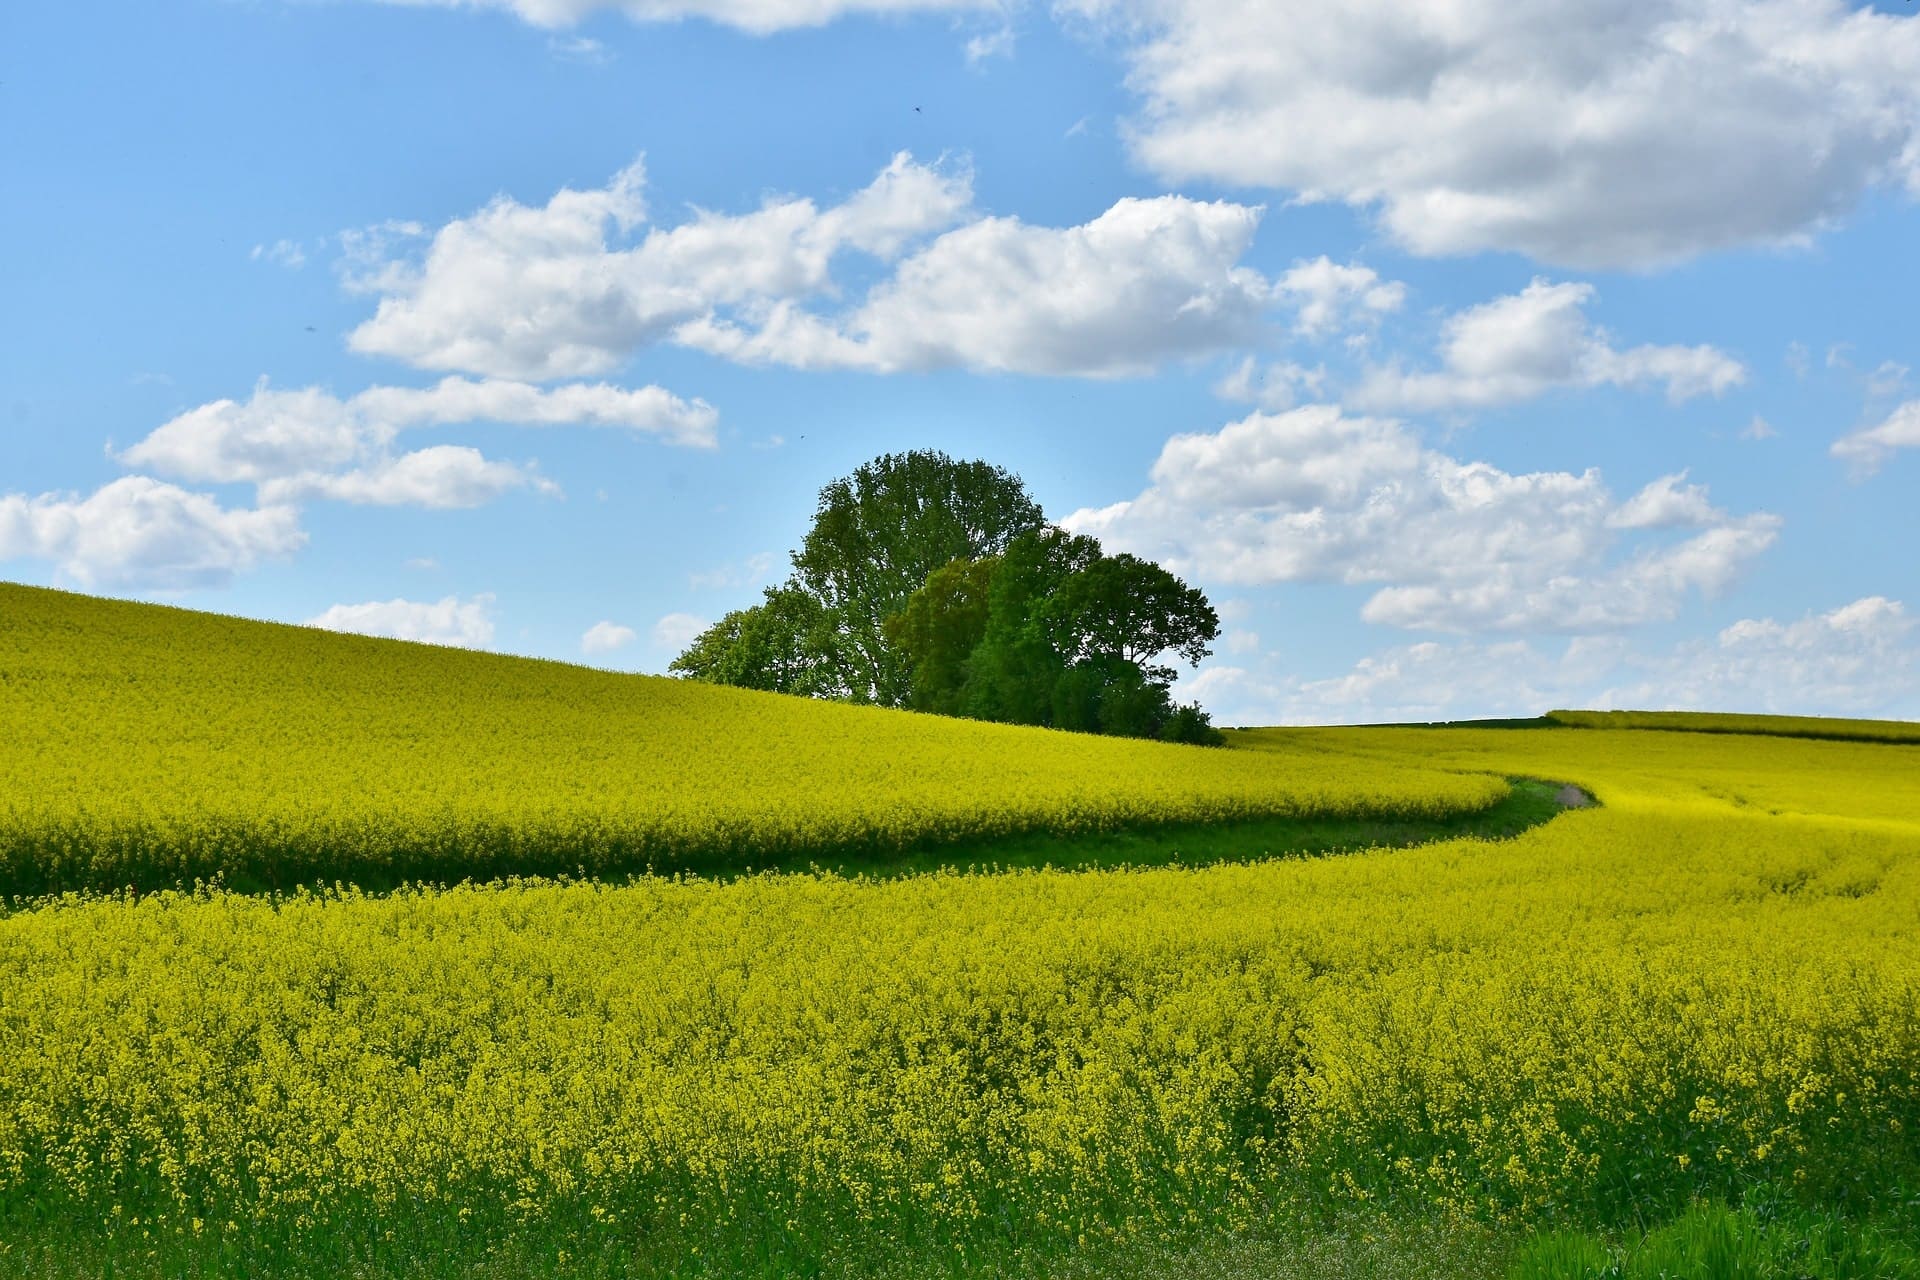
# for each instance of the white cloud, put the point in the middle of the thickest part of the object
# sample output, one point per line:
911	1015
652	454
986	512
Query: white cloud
760	17
284	253
649	410
678	630
1276	386
1543	126
1145	282
1667	503
1315	495
138	532
275	433
453	621
997	43
1538	340
751	572
1426	681
1870	447
442	476
1859	659
1330	296
605	637
308	443
581	49
369	261
1889	378
1759	429
541	293
566	289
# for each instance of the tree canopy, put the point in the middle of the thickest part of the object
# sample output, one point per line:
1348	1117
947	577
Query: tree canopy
877	536
777	645
1055	632
938	585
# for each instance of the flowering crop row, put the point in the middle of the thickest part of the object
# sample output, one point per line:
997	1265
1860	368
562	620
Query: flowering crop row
1702	983
149	746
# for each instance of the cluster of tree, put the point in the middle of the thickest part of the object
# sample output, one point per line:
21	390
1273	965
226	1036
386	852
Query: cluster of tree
939	585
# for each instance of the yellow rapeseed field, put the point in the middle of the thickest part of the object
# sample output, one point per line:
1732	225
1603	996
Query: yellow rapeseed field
1719	722
148	746
1711	980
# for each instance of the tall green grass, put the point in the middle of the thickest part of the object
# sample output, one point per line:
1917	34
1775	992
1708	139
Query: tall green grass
1714	1242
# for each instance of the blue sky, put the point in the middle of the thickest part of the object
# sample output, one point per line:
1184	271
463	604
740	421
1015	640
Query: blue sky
1475	358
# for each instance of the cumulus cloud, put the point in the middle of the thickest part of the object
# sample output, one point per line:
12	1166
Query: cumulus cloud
1329	296
678	630
1667	503
1313	494
1861	659
646	410
1147	281
138	532
515	291
1543	126
1418	682
605	637
467	624
1539	340
441	476
1868	449
306	442
575	287
370	258
760	17
1277	385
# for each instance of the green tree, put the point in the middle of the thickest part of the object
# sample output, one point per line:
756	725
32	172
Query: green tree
1012	672
937	584
1121	608
881	532
782	645
938	630
1071	639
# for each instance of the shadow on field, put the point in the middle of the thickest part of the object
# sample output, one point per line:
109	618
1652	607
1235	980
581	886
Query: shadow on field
1528	803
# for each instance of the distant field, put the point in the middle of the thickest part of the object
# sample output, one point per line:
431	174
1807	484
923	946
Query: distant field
150	746
1392	1063
1715	722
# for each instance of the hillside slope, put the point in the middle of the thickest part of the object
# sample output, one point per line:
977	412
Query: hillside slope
150	745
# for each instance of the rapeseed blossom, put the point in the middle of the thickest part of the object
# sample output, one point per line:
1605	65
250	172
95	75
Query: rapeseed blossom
150	747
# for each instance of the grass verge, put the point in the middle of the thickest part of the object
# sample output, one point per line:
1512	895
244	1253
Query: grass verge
1346	1244
1713	1242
